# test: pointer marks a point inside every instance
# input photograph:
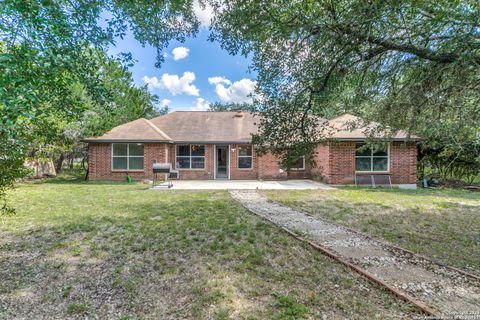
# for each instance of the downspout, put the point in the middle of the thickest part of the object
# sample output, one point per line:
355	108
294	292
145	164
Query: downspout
88	162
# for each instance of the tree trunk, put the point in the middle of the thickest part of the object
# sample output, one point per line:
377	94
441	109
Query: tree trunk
59	162
84	161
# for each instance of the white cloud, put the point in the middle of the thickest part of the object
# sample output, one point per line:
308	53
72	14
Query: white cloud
174	84
166	102
180	53
203	14
200	105
217	80
238	91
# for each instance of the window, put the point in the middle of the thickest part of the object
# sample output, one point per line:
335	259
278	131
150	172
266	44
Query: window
299	163
245	157
371	159
190	156
127	156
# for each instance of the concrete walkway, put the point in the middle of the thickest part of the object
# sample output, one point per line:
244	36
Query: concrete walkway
245	185
449	292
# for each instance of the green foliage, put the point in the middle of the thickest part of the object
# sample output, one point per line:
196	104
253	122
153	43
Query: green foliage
451	159
408	65
11	168
233	106
122	102
53	69
76	308
290	309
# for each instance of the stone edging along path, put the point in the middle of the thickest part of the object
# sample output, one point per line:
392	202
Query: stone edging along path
434	288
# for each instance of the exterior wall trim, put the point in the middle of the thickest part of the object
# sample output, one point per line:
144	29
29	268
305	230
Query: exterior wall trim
214	162
410	186
229	161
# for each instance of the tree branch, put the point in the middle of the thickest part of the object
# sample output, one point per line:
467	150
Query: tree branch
424	53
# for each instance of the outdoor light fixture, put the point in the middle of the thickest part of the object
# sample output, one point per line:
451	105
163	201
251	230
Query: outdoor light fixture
233	149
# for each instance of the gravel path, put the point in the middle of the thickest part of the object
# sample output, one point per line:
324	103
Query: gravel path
452	293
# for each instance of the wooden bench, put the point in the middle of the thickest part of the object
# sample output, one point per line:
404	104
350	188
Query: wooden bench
373	180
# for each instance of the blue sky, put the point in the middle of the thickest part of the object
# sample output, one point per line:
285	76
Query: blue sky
194	74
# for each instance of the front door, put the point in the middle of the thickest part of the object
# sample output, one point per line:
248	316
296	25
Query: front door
221	162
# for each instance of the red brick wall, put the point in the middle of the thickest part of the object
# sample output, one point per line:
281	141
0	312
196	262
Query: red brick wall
100	162
321	157
403	162
269	167
341	163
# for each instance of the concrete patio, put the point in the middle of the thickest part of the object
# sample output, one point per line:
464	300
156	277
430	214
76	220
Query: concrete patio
245	185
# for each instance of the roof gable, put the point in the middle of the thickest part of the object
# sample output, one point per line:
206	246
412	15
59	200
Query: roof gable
137	130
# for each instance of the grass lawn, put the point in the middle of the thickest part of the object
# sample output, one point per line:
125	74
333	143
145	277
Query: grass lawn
117	251
442	224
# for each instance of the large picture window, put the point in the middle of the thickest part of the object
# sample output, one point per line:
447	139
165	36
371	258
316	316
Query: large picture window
371	158
127	156
190	156
245	158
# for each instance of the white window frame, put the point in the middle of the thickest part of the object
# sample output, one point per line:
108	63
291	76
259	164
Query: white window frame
303	165
128	156
239	156
371	157
190	156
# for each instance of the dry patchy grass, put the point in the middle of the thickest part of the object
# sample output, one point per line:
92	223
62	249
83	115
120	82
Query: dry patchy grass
116	251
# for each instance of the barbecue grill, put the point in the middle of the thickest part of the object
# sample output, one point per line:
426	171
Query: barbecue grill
166	170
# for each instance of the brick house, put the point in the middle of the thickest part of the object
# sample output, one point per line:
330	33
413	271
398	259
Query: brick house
217	145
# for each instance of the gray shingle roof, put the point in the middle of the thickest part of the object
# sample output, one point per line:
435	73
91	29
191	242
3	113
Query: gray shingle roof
195	126
223	127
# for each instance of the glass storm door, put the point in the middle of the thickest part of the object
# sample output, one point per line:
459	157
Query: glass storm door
222	162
